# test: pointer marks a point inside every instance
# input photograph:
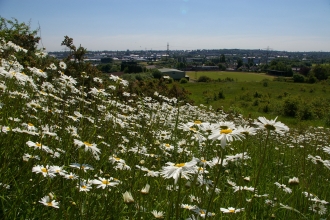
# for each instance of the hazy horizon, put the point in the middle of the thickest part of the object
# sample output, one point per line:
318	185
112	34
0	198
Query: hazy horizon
281	25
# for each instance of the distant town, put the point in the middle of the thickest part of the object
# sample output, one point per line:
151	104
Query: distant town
201	57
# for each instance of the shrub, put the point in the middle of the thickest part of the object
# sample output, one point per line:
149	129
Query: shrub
298	78
183	80
204	79
157	74
221	95
305	112
265	82
291	106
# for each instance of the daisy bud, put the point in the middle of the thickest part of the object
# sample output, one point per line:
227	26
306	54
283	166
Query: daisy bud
294	181
128	198
146	189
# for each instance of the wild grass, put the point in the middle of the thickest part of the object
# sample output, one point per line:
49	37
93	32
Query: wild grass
266	98
236	76
70	154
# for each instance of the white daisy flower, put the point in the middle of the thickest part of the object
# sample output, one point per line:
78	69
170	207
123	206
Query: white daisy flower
46	200
174	171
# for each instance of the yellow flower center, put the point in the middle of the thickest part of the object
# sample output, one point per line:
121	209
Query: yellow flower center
106	182
30	124
84	186
197	122
201	212
38	144
231	210
49	203
226	131
44	170
87	144
180	164
167	145
192	129
117	158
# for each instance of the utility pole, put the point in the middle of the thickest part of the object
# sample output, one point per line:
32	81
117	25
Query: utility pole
267	54
168	48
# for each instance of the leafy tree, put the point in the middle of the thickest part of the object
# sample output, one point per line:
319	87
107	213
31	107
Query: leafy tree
298	78
320	72
222	67
19	33
239	63
156	73
22	35
222	58
77	66
304	70
106	60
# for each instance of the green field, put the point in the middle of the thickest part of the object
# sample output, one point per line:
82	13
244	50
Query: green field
237	76
259	97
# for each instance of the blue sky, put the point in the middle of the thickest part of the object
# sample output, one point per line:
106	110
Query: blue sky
290	25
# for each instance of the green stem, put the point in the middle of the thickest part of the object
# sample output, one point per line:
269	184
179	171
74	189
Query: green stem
215	183
259	171
177	205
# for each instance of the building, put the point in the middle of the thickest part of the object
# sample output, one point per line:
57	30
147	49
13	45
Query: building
174	73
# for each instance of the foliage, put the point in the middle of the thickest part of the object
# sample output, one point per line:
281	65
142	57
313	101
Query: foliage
310	101
77	68
156	73
321	72
19	33
106	60
204	79
280	68
222	67
137	76
132	67
298	78
183	80
108	68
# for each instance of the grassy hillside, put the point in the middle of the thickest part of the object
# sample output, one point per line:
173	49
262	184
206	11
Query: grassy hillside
263	97
237	76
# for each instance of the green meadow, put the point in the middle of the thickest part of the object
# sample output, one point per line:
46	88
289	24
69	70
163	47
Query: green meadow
253	94
237	76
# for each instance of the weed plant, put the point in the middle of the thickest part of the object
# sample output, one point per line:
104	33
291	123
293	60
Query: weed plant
70	154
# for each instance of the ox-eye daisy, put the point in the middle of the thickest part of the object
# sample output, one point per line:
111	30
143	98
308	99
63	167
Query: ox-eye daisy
272	125
231	210
88	146
225	132
158	214
103	182
174	171
46	200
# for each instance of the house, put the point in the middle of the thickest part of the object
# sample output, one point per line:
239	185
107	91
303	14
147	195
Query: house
173	73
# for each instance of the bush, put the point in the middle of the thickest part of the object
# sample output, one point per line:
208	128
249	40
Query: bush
291	106
156	74
221	95
298	78
204	79
183	80
305	112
